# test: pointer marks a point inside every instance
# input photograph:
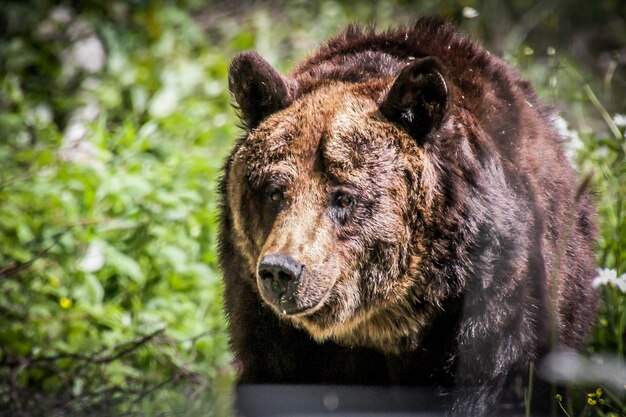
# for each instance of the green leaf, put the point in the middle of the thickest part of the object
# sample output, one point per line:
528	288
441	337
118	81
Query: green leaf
94	290
124	264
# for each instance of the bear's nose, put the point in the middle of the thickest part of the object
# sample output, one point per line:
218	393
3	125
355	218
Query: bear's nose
280	267
280	276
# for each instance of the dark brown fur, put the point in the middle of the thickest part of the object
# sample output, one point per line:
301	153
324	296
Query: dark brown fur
463	226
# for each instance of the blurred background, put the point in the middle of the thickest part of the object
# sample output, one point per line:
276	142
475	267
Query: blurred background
114	121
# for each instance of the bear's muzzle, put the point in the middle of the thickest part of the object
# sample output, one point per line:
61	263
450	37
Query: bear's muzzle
279	278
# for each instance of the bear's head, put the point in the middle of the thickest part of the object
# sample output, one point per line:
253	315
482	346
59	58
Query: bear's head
329	191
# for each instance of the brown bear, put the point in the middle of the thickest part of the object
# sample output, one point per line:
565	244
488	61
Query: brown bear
400	211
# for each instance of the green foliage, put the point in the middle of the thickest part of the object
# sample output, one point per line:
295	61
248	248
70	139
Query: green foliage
109	288
604	157
111	237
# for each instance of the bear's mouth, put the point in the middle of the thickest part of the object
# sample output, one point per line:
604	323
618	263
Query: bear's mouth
293	305
302	311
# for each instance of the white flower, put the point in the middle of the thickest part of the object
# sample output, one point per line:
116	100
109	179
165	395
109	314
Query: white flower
76	146
93	260
75	132
607	276
470	12
42	113
620	120
571	139
164	102
621	283
604	277
87	53
62	15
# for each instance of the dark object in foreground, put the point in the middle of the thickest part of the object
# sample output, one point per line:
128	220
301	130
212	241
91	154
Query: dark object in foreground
400	211
320	400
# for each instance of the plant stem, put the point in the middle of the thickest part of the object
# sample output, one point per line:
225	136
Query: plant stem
528	392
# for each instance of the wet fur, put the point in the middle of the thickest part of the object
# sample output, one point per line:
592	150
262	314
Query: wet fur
444	277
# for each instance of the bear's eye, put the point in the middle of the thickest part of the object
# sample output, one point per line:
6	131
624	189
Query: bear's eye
275	194
343	200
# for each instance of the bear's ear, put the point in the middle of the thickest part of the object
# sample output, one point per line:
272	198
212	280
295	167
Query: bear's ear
257	88
418	98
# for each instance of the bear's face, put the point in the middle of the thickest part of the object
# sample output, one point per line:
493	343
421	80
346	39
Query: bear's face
329	193
327	183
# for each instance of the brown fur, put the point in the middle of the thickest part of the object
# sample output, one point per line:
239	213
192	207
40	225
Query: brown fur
463	214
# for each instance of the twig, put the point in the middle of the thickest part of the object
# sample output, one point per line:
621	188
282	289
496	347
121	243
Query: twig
16	267
594	100
12	314
527	23
180	368
158	386
94	358
130	347
9	182
195	338
605	115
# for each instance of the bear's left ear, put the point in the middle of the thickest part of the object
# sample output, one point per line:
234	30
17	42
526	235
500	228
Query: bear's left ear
257	88
418	98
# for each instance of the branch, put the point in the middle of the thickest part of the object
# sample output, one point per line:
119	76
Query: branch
94	358
9	182
16	267
128	347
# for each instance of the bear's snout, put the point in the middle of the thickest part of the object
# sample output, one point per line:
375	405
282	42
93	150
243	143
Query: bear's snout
279	278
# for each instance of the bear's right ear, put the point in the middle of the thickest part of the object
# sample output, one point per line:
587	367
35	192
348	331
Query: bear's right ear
418	98
257	88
